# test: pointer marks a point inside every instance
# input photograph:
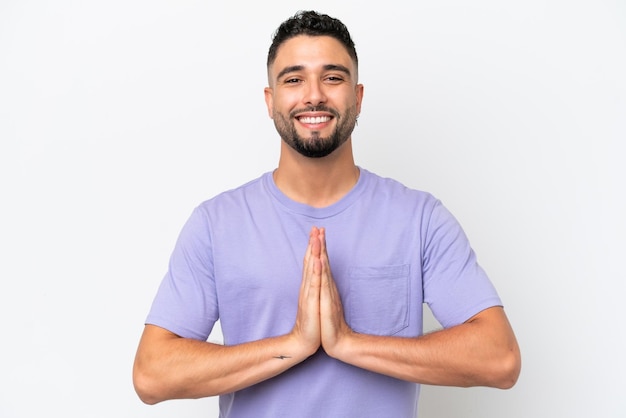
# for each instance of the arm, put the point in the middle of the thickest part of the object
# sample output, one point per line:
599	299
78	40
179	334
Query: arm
482	351
170	367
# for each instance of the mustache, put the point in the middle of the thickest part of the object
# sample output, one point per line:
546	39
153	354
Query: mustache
319	108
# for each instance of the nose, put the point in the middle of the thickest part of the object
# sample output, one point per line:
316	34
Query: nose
314	93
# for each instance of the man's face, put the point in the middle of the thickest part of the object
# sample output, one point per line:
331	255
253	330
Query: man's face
313	97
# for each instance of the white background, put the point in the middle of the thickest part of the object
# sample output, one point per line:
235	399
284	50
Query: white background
118	117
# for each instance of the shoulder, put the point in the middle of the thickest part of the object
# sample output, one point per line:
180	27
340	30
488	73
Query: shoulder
393	191
235	197
235	207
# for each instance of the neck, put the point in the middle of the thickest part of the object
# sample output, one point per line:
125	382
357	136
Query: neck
317	182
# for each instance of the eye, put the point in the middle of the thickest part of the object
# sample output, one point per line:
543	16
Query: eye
334	79
292	80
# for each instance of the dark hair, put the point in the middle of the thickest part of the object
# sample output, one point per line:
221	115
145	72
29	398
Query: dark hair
311	23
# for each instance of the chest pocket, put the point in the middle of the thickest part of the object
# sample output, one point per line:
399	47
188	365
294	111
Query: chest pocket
378	299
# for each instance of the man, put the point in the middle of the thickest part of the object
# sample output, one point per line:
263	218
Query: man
329	325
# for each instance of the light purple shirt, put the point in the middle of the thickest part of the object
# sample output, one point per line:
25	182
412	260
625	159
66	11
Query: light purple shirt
239	259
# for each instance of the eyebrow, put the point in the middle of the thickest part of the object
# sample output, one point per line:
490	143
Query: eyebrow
327	67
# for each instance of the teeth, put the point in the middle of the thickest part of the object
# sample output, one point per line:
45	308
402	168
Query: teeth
317	119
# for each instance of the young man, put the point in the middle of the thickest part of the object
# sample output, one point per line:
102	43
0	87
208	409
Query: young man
319	270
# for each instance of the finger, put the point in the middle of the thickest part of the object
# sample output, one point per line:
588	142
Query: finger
329	290
322	238
316	245
312	251
315	262
325	263
312	269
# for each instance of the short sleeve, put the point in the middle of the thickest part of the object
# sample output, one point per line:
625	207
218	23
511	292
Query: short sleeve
186	301
455	286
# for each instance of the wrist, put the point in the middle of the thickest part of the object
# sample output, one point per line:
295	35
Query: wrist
342	346
299	347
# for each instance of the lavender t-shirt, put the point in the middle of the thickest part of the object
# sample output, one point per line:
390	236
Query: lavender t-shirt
239	259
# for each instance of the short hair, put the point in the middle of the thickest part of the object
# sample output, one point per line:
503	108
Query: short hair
311	23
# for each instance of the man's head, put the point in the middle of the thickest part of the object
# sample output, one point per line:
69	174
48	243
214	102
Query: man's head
313	95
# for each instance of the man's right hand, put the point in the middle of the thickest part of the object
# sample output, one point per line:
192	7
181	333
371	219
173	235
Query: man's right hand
307	330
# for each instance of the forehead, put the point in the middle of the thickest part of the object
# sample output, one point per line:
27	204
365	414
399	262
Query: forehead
311	51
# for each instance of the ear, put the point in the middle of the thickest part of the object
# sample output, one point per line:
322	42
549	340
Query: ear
358	90
269	101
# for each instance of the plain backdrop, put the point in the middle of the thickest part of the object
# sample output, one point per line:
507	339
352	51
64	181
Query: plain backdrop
118	117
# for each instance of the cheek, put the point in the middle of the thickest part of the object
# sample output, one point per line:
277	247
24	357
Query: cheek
284	102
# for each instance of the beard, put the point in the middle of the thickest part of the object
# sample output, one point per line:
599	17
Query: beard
315	146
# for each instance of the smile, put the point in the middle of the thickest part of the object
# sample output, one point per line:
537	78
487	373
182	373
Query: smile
314	119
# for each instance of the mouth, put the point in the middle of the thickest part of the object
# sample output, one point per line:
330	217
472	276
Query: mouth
313	120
